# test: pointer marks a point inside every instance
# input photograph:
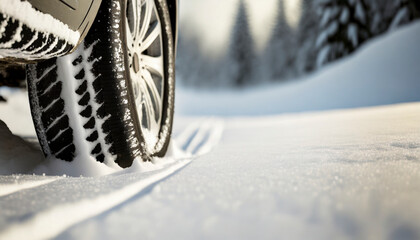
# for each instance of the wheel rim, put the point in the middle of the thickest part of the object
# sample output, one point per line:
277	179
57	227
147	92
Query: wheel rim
146	64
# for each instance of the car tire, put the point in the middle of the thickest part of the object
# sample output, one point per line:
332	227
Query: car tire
22	40
98	101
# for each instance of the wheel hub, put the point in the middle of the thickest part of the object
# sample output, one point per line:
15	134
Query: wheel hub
136	63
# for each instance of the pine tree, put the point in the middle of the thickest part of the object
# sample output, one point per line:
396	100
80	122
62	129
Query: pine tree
306	38
379	15
281	48
407	10
344	27
242	49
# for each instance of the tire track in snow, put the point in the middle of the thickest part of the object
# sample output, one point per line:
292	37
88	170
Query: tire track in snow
197	139
201	136
66	215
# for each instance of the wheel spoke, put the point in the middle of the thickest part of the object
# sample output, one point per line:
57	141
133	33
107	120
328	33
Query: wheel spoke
130	16
155	32
133	17
154	91
147	18
154	64
132	23
137	18
149	106
145	116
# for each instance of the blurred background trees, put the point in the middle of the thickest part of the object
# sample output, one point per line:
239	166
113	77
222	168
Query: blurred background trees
242	49
327	31
277	59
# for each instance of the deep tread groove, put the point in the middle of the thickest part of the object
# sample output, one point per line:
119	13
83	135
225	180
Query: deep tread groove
61	125
47	98
53	113
61	141
38	43
57	48
100	158
45	82
10	31
93	137
82	88
102	113
87	112
84	100
67	154
97	84
49	40
90	124
97	149
77	61
99	97
80	75
2	18
25	38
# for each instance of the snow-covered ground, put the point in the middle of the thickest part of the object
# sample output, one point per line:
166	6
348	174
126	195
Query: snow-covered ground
341	174
350	174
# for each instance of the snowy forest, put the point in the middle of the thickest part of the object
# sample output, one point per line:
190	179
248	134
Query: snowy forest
327	30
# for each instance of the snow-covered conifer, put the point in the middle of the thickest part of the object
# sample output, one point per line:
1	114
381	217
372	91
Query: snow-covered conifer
343	28
280	52
407	10
242	52
306	37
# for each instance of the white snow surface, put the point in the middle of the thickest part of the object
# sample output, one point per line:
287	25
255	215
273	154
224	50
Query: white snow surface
349	174
337	174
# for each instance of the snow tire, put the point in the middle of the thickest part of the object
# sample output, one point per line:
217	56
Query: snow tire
21	41
83	103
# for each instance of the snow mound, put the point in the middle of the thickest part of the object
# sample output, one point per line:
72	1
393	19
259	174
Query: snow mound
16	155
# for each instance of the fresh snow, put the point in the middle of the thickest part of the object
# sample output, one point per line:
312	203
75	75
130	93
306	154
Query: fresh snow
248	174
12	185
338	175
